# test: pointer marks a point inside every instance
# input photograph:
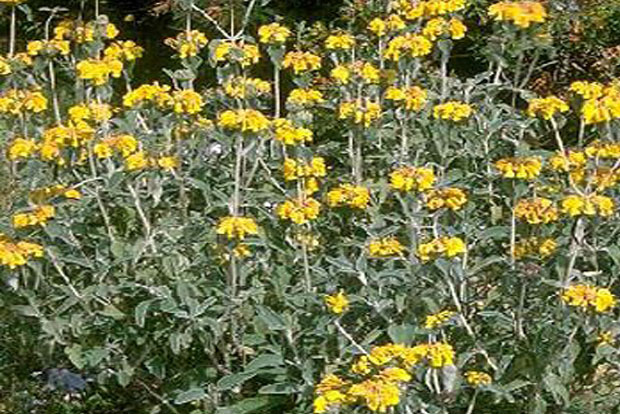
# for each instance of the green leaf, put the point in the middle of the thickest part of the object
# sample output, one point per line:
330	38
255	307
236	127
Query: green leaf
251	405
273	321
267	360
401	334
234	380
279	388
190	395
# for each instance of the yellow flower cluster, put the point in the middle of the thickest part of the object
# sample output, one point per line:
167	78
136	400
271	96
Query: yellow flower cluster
536	210
343	41
81	32
17	101
438	319
188	43
14	254
437	27
187	101
605	150
155	93
21	148
42	195
365	71
380	27
413	97
298	168
90	112
452	198
412	178
55	139
305	97
37	217
477	378
244	120
126	144
245	54
384	369
273	33
360	111
9	63
309	172
589	297
546	107
526	168
301	61
242	87
350	195
385	247
452	110
99	71
408	45
441	246
236	227
601	103
299	210
589	205
126	50
337	303
534	246
521	13
287	133
48	47
572	160
417	9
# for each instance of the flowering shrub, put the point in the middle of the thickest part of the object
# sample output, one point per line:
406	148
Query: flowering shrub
383	237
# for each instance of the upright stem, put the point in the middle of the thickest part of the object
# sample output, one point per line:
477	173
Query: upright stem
276	89
54	93
12	31
558	137
238	163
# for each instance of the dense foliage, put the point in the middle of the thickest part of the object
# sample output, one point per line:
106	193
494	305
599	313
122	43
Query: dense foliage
300	219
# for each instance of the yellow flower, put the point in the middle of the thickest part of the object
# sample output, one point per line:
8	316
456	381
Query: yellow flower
411	45
441	246
377	395
377	26
587	90
14	254
337	303
589	297
22	148
412	178
305	97
342	41
436	320
360	111
168	163
477	378
300	210
605	150
536	210
241	87
341	74
521	13
301	61
385	247
245	54
39	216
349	195
590	205
72	194
287	133
99	70
136	161
605	338
413	97
546	107
526	168
187	102
273	33
188	43
535	246
236	227
452	198
452	110
159	95
456	28
244	120
569	161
